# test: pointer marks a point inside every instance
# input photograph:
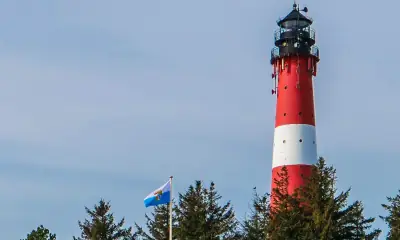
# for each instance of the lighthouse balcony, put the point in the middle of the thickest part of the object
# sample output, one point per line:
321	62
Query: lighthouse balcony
277	52
305	34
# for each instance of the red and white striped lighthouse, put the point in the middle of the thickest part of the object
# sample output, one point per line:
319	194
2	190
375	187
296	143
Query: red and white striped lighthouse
294	64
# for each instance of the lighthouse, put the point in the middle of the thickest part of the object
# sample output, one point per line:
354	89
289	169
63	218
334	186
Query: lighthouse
294	65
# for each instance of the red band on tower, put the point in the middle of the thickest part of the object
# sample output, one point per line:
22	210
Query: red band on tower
295	101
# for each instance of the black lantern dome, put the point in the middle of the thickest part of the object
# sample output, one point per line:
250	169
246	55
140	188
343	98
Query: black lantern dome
295	35
295	19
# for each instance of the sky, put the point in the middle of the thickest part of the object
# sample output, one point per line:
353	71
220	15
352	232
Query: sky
107	99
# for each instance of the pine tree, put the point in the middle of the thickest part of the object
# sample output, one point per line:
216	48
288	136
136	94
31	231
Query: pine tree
360	224
101	225
256	226
191	213
200	216
323	211
157	225
393	217
287	219
220	220
328	216
41	233
315	211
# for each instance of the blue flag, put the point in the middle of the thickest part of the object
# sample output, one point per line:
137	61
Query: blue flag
160	196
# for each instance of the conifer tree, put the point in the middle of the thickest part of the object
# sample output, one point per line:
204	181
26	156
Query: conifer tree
287	219
191	213
315	211
393	217
324	210
360	224
256	226
157	225
327	214
101	225
41	233
200	216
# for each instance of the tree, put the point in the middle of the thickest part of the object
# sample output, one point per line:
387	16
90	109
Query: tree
158	225
325	211
200	216
41	233
327	214
101	226
393	217
286	214
316	211
360	224
256	226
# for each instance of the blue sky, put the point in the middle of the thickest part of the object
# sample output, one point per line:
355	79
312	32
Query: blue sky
108	99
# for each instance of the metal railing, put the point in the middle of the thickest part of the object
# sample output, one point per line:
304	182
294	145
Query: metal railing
314	51
278	32
274	52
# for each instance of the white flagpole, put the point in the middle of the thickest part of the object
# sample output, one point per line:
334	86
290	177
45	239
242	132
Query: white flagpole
170	210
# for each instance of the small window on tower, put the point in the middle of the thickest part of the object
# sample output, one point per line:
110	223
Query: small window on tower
301	140
284	141
286	87
284	114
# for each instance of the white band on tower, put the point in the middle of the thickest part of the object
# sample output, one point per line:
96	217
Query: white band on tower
294	144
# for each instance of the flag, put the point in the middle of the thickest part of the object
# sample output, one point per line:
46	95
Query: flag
160	196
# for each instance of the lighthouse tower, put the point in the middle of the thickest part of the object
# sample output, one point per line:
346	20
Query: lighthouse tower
294	64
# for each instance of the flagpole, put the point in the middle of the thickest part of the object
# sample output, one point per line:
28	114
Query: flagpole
170	210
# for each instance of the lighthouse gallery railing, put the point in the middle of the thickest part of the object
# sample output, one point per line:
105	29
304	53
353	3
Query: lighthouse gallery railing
314	51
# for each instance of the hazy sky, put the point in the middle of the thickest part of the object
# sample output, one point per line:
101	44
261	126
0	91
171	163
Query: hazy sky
109	98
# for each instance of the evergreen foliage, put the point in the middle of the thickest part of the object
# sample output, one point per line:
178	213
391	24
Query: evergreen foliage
393	217
287	219
200	216
101	225
256	226
360	224
41	233
316	211
157	225
327	214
